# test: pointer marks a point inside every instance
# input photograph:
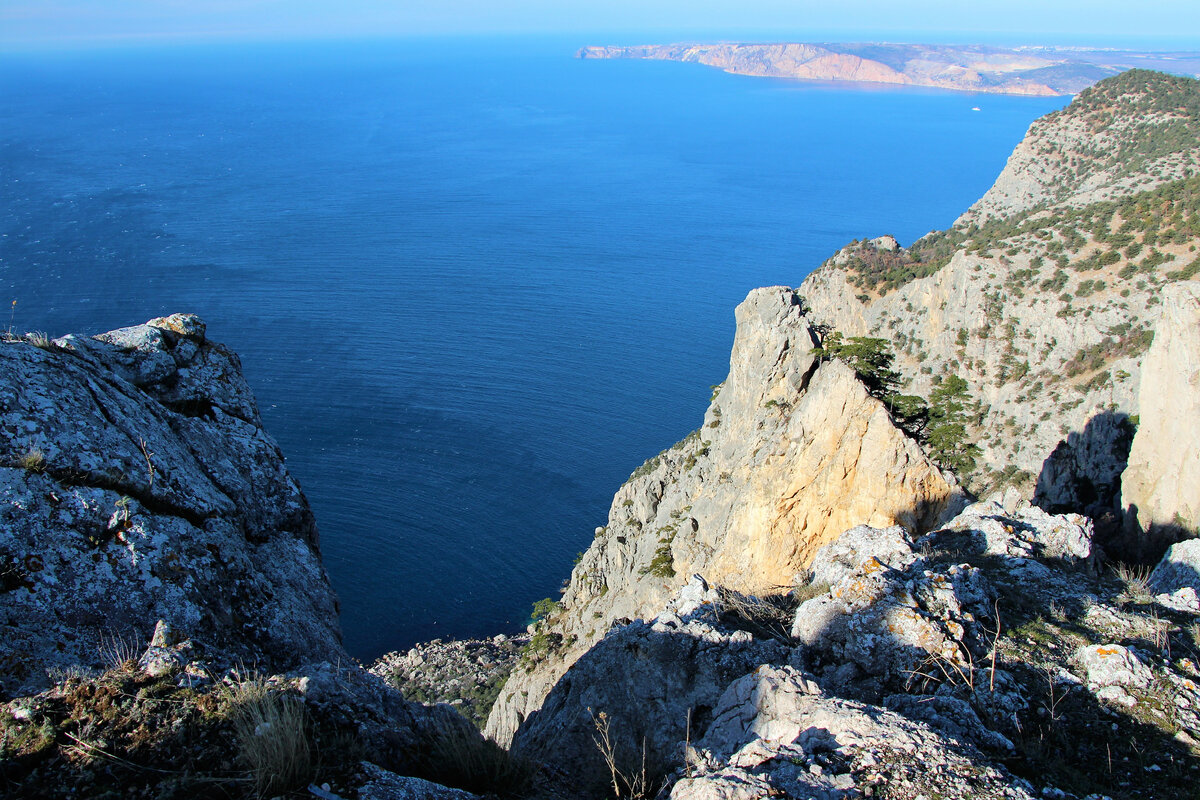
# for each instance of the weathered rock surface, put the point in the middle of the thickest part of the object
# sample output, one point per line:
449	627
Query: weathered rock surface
793	452
776	735
1161	486
384	785
1178	570
138	484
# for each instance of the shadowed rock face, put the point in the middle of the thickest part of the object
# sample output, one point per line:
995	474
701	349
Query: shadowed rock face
138	484
792	452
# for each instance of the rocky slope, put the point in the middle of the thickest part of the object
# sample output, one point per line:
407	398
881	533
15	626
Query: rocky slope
975	68
985	659
1044	295
792	452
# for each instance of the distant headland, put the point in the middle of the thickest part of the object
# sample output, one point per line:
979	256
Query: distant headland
1036	71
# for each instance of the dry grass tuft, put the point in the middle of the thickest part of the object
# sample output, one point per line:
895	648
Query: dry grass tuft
271	729
767	616
39	339
32	460
1137	584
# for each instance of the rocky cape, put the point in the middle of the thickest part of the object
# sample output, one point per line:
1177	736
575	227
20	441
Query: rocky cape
1044	71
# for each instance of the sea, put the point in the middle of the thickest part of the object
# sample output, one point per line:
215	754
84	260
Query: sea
473	282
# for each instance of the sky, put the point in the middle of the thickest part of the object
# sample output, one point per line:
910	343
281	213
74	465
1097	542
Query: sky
66	23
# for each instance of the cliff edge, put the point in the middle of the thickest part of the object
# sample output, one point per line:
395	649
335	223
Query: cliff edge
793	451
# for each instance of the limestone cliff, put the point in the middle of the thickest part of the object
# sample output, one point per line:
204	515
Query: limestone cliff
792	452
138	484
1161	486
1043	296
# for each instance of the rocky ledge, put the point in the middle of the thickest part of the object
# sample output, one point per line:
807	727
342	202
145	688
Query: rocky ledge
138	484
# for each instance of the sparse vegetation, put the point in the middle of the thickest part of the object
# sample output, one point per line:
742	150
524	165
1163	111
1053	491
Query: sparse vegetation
32	460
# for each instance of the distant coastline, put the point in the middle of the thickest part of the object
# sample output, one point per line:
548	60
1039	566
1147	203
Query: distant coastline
1030	71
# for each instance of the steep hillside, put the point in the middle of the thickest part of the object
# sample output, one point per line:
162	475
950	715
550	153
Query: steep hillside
793	451
1043	296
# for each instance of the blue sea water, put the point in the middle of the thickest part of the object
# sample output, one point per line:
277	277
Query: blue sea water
474	283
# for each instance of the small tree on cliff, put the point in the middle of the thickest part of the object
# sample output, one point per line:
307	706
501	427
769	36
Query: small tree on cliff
946	433
871	359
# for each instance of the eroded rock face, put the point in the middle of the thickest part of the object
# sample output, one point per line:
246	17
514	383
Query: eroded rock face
793	451
1161	486
138	484
1178	575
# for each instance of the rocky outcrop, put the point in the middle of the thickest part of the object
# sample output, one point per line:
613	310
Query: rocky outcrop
138	485
775	734
640	690
793	451
141	493
929	666
1161	487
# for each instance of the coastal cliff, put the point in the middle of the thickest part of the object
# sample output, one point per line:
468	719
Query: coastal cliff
801	599
139	485
774	541
1034	71
793	451
169	629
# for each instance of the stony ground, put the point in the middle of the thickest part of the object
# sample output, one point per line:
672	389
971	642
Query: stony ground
466	674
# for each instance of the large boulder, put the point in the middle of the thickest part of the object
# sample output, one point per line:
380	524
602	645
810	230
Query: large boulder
138	485
1160	489
776	735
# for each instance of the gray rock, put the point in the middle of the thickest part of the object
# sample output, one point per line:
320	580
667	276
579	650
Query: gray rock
1178	570
771	729
891	547
1106	665
987	529
138	484
648	684
384	785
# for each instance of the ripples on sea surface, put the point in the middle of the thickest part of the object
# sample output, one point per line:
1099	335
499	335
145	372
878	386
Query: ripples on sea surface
474	283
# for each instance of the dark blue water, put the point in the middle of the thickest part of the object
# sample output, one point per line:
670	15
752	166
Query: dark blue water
473	283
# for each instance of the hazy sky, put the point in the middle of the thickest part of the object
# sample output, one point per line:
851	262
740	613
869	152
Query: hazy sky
30	22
